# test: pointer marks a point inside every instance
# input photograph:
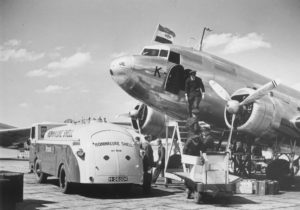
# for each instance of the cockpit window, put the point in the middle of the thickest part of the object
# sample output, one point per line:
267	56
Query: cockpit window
163	53
150	52
174	57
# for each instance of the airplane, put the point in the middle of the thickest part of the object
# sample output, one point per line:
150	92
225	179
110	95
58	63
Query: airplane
235	97
12	137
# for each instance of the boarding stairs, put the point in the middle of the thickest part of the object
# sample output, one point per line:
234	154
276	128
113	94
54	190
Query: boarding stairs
174	153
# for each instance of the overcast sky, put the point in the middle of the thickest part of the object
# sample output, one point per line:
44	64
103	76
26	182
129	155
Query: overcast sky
55	54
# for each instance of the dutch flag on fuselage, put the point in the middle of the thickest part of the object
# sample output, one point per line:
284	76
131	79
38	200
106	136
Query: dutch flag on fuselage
164	35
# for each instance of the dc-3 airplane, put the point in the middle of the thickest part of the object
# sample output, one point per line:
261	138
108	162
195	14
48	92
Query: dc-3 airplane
235	97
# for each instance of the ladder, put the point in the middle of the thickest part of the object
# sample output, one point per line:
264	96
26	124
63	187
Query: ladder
179	137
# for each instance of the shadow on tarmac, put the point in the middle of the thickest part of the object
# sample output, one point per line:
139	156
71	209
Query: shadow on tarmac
114	191
31	204
233	201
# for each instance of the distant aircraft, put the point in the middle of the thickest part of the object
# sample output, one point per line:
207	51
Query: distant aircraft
254	105
12	137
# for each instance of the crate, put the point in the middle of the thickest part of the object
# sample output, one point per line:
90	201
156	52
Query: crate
214	170
246	186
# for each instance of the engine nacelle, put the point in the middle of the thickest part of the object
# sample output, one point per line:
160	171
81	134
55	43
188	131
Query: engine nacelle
255	118
150	122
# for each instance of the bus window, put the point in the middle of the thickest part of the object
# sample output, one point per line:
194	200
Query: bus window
174	57
43	131
163	53
32	132
150	52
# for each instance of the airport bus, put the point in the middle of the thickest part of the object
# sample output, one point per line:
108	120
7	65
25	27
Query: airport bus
94	153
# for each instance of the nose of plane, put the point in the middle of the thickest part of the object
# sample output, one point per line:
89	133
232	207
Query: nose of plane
121	64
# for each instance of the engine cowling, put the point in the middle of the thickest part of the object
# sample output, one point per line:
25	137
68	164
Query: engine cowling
149	121
254	118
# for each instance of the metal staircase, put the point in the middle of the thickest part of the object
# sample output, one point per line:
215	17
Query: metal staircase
179	137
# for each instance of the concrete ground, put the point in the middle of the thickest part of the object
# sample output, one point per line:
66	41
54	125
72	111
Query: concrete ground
48	196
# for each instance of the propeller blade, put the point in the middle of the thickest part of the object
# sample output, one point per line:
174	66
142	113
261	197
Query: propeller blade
220	91
260	92
231	130
123	115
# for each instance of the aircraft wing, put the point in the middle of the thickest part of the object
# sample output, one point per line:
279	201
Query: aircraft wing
14	137
126	125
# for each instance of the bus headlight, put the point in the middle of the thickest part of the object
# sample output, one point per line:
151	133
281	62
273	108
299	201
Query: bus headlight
80	153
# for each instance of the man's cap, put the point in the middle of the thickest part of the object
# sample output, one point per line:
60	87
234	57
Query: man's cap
192	72
195	111
204	126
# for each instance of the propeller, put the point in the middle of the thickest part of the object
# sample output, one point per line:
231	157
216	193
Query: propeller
136	114
233	106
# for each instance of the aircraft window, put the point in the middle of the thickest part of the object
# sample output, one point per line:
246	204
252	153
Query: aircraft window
150	52
33	132
174	57
163	53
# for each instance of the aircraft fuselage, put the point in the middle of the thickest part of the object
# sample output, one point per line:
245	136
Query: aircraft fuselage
149	79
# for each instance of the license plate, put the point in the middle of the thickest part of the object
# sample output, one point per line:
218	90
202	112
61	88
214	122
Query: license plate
118	178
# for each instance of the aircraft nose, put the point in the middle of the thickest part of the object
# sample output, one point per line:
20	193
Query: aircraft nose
120	65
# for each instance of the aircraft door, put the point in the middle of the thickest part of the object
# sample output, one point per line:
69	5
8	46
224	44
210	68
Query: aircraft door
175	80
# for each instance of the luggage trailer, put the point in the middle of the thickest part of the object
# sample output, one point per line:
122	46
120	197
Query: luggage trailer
210	178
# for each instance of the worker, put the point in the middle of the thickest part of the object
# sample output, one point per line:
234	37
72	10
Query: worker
160	164
208	139
192	124
147	164
194	146
194	91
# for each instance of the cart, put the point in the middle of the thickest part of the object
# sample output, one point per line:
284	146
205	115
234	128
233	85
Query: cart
210	178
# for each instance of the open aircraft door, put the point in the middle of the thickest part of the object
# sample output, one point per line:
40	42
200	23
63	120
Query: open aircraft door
175	80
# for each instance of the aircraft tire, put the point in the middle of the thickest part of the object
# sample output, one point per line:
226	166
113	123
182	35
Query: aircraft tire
279	170
40	176
64	184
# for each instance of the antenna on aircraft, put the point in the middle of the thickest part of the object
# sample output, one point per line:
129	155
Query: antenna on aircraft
203	33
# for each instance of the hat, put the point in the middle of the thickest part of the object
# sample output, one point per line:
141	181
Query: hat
195	111
192	72
204	126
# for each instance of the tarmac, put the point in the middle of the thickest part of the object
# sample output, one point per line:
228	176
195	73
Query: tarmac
48	196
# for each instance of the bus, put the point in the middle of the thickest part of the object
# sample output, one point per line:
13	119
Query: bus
93	153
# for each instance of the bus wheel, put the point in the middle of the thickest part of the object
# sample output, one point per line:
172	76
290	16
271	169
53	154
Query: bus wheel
63	181
39	175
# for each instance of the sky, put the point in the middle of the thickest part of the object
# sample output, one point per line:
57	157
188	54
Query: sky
55	54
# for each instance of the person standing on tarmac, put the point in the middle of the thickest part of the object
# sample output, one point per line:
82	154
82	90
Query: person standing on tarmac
148	163
194	91
193	146
160	164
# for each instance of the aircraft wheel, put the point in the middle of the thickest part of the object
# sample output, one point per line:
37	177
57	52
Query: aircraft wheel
64	184
39	175
279	170
197	197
